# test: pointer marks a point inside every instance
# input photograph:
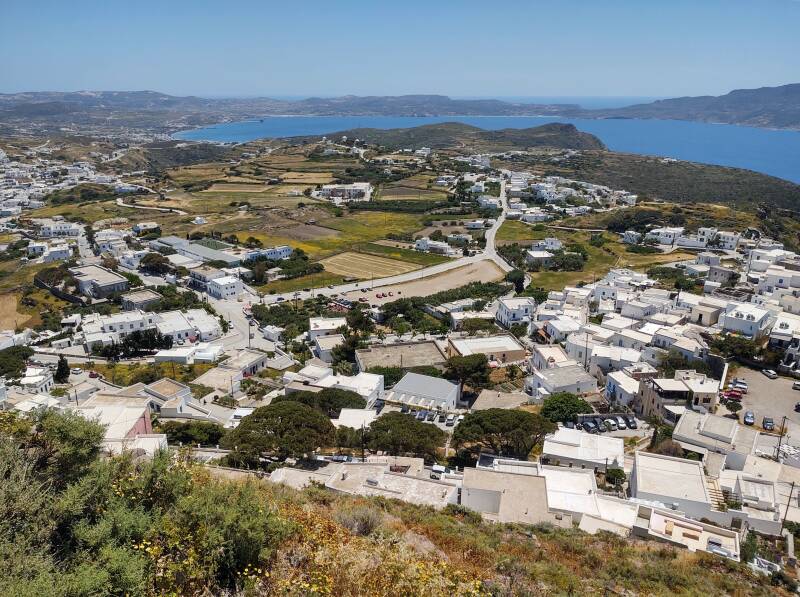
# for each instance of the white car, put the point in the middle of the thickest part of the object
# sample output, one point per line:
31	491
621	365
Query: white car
76	371
770	373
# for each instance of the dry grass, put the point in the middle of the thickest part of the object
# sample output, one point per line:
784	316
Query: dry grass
362	266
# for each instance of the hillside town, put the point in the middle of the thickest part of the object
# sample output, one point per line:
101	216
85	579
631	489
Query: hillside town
635	381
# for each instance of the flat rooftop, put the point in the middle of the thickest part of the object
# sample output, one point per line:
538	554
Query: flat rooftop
138	296
489	344
406	355
670	477
100	275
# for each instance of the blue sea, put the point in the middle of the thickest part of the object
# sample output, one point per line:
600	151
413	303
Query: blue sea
774	152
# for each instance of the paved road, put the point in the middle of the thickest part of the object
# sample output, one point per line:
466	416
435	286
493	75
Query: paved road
121	203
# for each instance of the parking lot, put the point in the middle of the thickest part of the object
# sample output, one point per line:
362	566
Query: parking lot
771	398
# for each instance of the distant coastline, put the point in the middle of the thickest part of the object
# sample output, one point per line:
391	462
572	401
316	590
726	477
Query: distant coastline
771	151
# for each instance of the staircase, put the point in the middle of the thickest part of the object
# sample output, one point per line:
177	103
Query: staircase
715	495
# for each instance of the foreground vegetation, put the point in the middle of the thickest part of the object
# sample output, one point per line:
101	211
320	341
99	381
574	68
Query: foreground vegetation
74	523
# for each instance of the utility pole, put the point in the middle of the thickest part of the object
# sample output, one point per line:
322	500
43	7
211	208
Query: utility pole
780	438
362	443
786	512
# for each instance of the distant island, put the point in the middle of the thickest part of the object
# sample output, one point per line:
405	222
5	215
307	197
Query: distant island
773	107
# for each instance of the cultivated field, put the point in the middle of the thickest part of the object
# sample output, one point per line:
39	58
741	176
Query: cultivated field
413	188
361	265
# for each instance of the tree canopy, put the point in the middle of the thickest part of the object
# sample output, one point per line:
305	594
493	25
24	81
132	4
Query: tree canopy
62	370
285	429
401	434
504	432
564	406
329	401
472	370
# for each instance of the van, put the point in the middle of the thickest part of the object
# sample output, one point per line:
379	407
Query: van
451	420
610	424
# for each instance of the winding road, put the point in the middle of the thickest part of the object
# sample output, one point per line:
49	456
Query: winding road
488	254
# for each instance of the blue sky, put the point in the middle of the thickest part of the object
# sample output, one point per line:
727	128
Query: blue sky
494	49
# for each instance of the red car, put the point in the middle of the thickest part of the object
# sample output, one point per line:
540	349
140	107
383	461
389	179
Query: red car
94	374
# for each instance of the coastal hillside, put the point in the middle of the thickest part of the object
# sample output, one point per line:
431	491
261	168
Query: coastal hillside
455	135
773	107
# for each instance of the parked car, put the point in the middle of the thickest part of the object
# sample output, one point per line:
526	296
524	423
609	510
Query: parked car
569	424
431	416
442	418
76	371
94	374
601	428
770	373
620	422
421	415
280	299
451	420
610	424
589	427
797	407
330	286
631	422
796	385
460	417
768	424
749	418
404	408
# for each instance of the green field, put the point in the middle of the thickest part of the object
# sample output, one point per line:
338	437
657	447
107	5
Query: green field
353	229
408	255
311	281
514	230
601	259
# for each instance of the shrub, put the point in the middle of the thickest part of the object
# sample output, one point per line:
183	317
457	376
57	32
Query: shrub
360	520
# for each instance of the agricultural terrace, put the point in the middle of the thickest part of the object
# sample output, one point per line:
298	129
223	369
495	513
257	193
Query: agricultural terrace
418	187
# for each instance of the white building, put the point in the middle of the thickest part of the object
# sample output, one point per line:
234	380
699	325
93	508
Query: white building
573	447
423	391
432	246
515	310
226	287
746	319
324	326
621	388
665	236
571	378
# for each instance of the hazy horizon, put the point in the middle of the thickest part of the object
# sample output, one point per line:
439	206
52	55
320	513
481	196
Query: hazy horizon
576	48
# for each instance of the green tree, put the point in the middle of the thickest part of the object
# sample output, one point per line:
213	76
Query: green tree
359	320
472	370
564	406
475	324
12	360
615	476
504	432
733	406
284	429
401	434
155	263
192	433
64	444
62	370
517	278
329	401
